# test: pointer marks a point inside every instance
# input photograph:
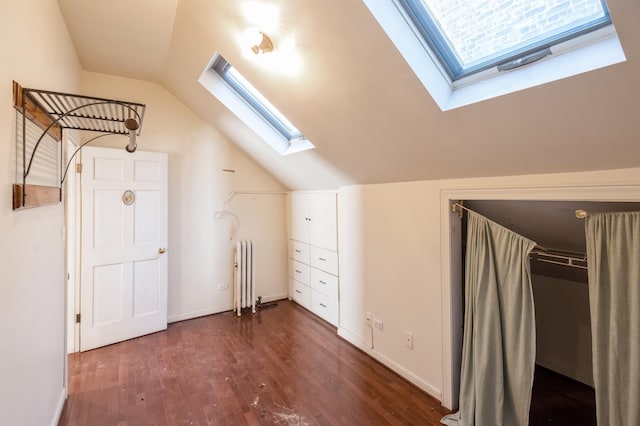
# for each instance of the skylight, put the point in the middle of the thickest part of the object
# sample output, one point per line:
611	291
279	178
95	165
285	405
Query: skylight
244	100
470	36
466	51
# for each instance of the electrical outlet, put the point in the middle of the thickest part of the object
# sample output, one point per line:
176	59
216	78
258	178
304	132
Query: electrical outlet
408	339
369	319
223	286
378	324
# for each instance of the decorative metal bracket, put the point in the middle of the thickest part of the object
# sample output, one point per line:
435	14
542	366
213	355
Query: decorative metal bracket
55	111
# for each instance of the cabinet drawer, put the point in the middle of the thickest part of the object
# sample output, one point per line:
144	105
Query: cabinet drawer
325	260
299	271
301	294
299	251
325	283
325	307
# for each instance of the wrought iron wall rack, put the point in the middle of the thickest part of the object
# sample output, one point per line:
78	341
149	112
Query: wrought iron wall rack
54	111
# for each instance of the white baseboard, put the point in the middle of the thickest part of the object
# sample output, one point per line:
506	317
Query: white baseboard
219	309
274	297
59	408
354	339
200	313
422	384
397	368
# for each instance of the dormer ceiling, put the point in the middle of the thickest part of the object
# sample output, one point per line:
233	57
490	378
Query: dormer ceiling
368	115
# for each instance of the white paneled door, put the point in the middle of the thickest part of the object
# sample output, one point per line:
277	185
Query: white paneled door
124	240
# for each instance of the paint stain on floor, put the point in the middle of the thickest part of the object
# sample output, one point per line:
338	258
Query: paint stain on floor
275	413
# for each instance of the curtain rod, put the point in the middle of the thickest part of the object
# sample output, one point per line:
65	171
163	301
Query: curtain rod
580	214
456	206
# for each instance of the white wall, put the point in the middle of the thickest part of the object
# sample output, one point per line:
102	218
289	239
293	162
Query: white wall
389	253
36	51
391	243
200	246
563	327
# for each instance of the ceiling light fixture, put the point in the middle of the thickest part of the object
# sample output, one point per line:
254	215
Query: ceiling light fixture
263	44
284	58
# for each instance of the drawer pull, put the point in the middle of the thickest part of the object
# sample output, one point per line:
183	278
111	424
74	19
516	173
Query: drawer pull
322	258
298	251
298	271
323	305
322	282
298	291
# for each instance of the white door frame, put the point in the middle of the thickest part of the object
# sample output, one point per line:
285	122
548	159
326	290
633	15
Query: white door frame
452	309
71	190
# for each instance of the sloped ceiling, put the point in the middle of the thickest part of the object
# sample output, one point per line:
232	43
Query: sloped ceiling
121	37
359	102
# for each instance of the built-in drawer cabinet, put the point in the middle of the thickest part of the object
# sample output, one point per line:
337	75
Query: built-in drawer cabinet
314	285
313	257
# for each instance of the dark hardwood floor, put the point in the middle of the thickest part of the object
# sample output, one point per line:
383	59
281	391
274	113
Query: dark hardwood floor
280	366
559	400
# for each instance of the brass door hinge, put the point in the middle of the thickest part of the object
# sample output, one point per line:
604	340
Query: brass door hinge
79	168
77	318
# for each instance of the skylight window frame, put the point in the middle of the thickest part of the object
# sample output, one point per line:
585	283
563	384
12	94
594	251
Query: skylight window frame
598	49
432	36
282	140
255	99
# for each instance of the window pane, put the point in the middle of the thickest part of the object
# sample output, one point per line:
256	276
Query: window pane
255	99
473	35
260	101
479	29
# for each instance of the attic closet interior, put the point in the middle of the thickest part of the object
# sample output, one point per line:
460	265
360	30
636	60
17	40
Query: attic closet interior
563	382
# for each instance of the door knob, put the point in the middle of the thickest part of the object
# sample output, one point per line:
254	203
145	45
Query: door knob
162	250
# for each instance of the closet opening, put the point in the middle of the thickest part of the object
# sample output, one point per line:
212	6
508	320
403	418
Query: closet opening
563	381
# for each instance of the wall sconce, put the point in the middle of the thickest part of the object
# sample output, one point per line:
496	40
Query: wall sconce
263	44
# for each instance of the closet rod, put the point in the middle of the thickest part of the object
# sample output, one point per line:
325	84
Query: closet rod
233	194
558	257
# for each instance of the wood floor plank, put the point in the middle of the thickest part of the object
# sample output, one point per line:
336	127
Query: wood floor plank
280	366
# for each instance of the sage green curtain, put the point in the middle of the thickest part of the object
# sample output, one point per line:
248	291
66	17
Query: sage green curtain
499	346
613	254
